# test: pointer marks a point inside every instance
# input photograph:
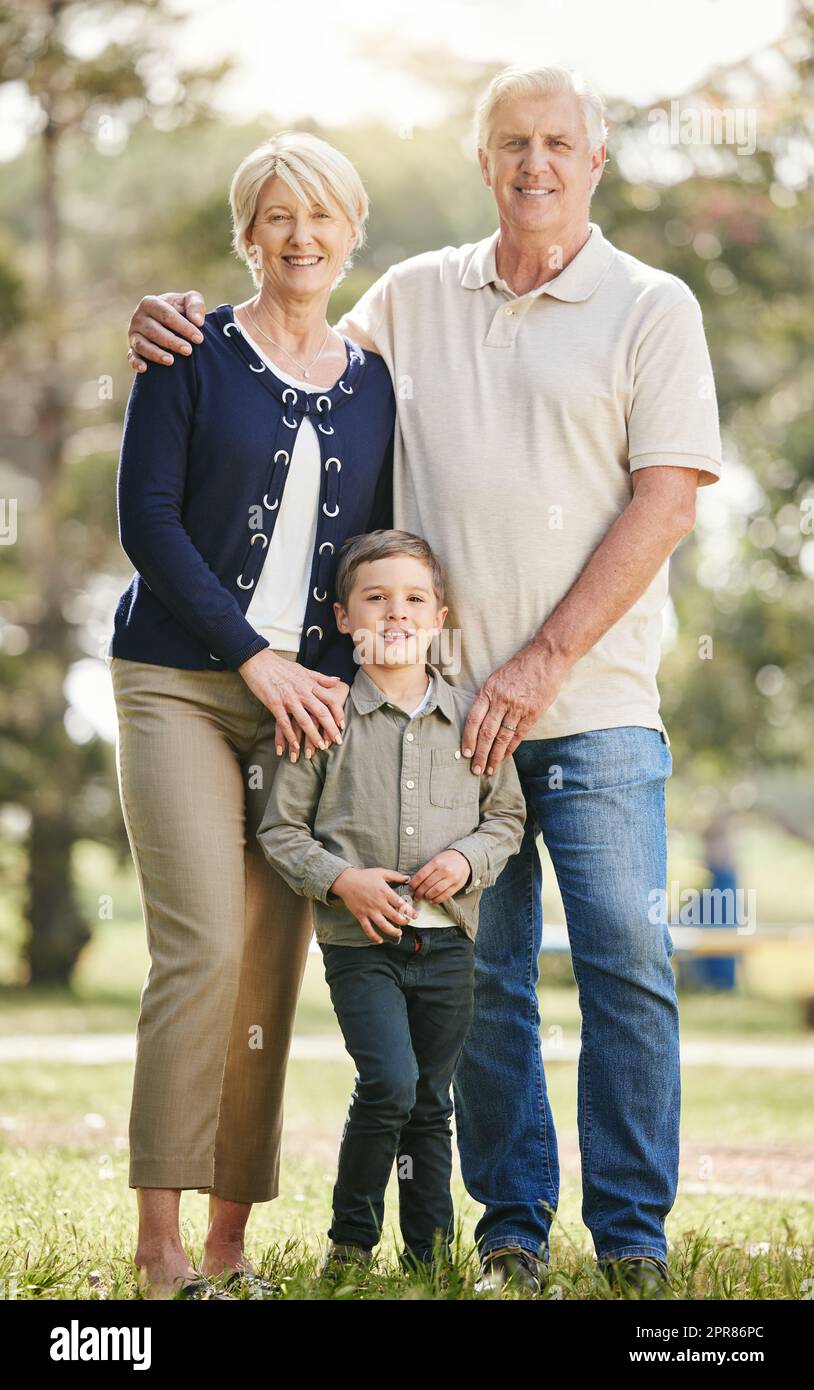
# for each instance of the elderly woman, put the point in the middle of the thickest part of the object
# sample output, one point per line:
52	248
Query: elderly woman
241	474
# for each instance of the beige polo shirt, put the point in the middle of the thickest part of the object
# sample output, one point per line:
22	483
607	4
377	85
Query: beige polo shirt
520	420
396	791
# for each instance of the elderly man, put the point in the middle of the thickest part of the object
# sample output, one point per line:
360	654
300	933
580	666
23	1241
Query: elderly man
556	413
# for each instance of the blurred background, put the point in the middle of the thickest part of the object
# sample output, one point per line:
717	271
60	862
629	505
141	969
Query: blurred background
121	124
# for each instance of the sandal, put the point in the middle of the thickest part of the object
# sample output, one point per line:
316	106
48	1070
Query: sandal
201	1290
257	1287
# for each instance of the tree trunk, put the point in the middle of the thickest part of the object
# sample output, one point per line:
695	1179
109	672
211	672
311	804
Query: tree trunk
57	931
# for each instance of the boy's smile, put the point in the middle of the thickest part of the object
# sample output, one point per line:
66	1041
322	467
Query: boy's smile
393	615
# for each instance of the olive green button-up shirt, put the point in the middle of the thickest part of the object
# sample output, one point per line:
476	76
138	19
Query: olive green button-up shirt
395	792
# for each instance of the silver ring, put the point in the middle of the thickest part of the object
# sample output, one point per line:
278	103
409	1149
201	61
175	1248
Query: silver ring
513	727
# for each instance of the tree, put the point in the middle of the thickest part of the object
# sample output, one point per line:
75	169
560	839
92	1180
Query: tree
74	96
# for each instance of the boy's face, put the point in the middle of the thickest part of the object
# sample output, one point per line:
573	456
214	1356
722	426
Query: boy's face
392	613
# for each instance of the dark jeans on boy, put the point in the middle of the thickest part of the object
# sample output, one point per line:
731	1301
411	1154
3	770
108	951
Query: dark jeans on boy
404	1009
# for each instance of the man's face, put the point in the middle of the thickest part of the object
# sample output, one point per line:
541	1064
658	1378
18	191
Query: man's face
392	612
539	164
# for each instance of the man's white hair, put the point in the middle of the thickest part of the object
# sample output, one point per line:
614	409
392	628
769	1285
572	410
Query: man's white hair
521	81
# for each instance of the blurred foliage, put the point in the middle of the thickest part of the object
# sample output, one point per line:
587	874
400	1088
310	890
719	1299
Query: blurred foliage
139	170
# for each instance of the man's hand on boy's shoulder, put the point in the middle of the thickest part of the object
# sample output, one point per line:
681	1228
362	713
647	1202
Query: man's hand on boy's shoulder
441	876
162	324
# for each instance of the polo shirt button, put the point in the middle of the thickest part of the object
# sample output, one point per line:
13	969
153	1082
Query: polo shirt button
410	785
457	752
409	737
477	883
409	830
511	311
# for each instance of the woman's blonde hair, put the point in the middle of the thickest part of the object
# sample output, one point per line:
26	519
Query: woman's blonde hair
312	169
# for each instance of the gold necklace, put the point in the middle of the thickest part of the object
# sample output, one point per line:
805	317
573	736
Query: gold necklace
306	370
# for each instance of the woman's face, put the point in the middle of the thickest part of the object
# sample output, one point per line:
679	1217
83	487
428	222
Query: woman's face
303	248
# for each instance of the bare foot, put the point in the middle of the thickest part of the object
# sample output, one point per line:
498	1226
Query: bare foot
162	1272
226	1259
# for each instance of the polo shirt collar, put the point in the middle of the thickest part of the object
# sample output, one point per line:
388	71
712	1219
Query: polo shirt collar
576	282
367	696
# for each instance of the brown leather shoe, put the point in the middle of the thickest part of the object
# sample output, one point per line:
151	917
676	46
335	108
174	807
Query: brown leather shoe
513	1267
341	1258
642	1274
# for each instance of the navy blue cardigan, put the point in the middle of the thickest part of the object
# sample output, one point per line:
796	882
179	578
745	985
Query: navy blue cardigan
204	461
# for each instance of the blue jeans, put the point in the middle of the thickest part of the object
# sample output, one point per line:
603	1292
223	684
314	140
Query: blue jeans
598	799
404	1009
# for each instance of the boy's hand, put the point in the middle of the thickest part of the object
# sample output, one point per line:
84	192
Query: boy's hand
374	904
441	876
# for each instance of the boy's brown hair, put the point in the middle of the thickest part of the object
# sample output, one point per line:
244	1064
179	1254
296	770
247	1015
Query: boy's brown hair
376	545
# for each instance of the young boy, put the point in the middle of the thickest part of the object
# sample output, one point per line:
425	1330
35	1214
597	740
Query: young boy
395	838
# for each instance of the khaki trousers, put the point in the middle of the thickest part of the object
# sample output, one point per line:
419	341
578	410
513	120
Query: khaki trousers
228	939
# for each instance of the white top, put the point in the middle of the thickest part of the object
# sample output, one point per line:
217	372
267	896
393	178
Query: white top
277	606
425	698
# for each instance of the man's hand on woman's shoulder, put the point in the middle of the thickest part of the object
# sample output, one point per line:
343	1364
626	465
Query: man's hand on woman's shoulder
163	324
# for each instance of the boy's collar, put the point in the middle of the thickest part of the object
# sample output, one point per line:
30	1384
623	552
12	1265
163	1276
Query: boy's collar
367	696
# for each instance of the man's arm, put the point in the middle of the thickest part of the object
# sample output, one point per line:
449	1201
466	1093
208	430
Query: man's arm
369	322
162	324
660	512
674	446
626	561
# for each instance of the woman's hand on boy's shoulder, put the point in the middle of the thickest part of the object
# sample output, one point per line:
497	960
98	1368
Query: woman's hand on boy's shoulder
339	694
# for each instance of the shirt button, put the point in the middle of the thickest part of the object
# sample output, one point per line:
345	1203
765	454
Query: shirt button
409	737
477	883
410	785
409	830
457	752
511	311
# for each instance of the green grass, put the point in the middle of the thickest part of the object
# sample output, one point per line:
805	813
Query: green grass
67	1217
68	1214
